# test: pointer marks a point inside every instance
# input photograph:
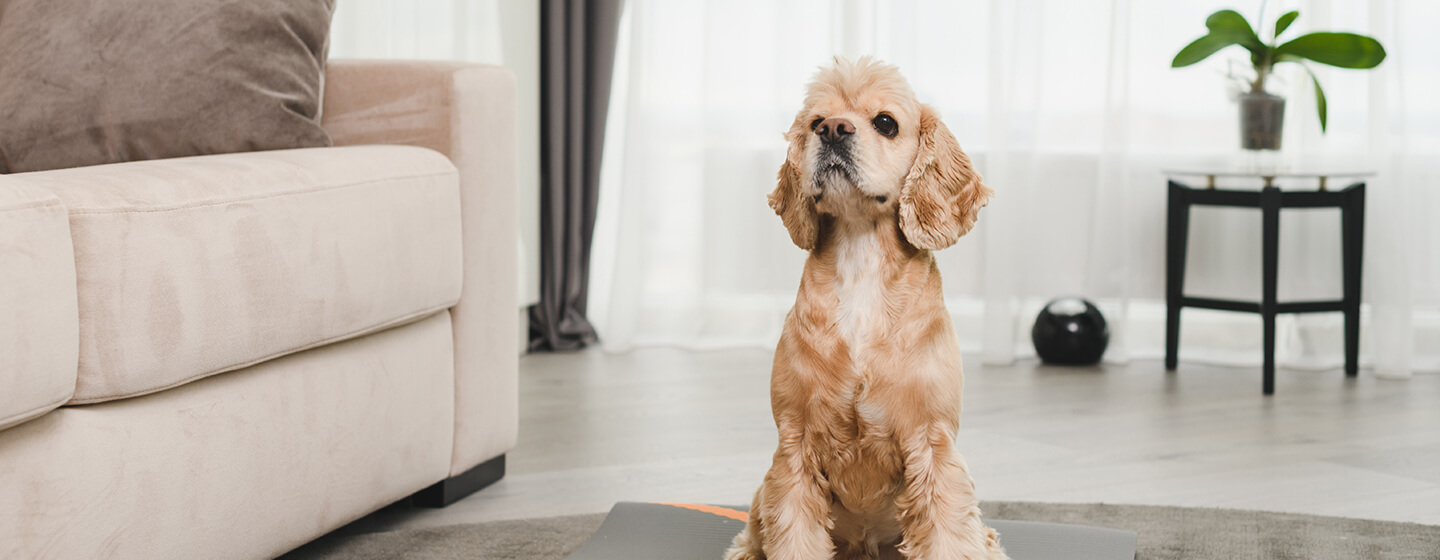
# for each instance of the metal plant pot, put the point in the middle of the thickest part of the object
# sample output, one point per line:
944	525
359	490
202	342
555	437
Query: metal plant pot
1262	118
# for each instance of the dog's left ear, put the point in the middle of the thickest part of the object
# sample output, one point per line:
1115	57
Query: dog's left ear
942	195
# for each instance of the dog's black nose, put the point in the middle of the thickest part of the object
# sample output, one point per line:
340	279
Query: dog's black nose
835	129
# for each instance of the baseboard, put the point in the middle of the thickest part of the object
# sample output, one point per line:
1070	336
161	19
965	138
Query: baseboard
452	489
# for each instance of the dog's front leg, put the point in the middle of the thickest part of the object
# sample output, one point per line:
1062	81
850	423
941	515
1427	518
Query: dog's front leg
939	516
795	517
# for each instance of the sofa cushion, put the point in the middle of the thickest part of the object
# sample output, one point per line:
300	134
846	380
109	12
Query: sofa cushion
246	465
191	267
38	335
88	82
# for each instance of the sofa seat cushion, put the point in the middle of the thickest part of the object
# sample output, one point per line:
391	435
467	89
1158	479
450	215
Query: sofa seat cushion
190	267
241	466
38	330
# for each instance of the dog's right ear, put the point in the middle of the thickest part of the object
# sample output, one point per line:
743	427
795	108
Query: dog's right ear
791	202
942	196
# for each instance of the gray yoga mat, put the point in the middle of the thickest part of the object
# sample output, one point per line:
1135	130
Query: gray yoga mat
648	531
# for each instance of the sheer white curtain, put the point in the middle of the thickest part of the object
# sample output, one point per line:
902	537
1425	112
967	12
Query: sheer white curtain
1070	110
418	29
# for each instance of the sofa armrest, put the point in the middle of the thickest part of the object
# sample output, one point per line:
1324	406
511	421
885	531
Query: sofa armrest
467	112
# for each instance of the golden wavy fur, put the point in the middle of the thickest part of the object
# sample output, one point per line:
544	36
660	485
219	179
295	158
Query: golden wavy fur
867	381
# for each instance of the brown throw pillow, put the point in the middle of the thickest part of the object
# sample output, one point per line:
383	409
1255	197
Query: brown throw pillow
86	82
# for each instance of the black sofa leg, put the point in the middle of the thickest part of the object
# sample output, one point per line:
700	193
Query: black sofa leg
452	489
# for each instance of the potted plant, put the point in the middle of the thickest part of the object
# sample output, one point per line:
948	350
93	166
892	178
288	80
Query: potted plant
1262	113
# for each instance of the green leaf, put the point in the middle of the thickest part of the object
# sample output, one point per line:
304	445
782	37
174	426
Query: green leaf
1346	50
1284	22
1226	28
1320	104
1200	49
1319	97
1229	24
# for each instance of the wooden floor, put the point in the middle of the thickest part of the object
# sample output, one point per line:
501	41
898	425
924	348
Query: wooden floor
670	425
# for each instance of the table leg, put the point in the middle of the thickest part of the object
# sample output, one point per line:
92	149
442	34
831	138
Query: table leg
1177	227
1353	232
1270	261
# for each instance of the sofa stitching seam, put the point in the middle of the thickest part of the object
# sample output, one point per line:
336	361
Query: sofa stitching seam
294	192
279	354
42	409
32	205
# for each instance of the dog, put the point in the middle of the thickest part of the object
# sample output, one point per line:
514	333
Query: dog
866	381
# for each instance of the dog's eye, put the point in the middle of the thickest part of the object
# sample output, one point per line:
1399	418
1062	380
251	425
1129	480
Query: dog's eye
815	123
886	125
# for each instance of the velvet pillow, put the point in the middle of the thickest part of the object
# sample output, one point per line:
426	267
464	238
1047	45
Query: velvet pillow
86	82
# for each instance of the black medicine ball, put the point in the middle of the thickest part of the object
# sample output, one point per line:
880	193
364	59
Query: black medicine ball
1070	331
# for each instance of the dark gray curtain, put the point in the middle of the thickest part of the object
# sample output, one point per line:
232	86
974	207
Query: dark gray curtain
577	55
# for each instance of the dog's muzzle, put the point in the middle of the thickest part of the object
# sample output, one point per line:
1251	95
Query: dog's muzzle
834	164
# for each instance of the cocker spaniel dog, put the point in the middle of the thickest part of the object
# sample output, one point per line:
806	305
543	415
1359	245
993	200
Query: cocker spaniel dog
866	383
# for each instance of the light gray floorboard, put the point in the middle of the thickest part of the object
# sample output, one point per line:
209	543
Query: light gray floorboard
672	425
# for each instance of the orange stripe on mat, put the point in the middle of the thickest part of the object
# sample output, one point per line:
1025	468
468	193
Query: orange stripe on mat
717	510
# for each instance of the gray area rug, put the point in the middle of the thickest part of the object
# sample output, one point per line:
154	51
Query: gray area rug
1165	533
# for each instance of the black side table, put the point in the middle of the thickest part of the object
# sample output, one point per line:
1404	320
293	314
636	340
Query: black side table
1269	200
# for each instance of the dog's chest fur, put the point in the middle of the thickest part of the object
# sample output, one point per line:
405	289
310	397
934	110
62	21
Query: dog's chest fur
864	469
859	290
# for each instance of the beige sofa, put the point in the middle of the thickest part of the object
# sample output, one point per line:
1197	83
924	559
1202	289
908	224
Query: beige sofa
228	356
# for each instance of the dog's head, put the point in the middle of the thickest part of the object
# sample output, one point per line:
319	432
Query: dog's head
864	149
